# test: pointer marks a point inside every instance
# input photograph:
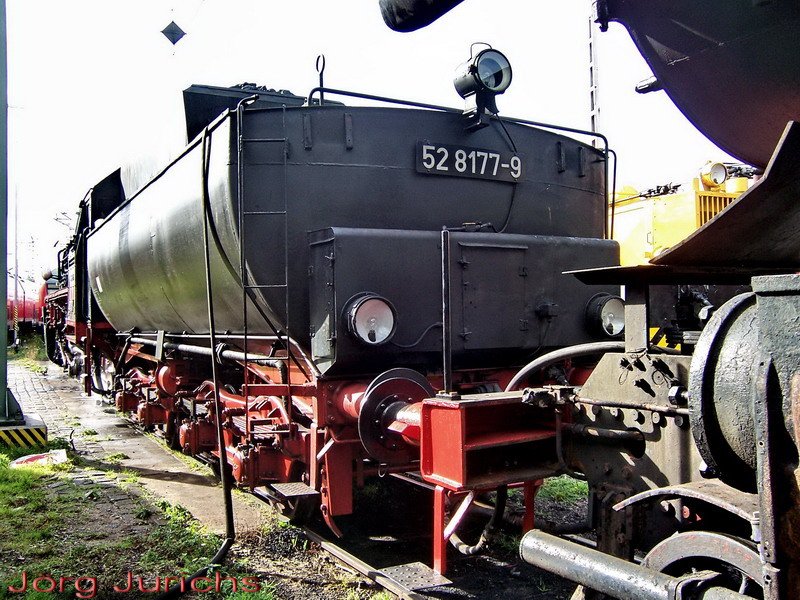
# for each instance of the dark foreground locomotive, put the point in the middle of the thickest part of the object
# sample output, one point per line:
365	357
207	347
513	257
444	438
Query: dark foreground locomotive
735	519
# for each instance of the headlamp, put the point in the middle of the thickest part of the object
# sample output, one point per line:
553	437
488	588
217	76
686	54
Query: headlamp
714	174
488	71
605	314
478	81
371	319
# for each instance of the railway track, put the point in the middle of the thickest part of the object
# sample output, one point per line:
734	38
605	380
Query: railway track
412	579
403	580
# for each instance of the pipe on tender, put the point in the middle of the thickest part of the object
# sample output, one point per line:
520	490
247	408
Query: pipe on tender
605	573
233	355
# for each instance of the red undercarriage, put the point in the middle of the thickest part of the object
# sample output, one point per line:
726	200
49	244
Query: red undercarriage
326	436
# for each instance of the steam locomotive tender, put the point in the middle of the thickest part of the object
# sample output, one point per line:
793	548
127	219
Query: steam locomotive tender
354	287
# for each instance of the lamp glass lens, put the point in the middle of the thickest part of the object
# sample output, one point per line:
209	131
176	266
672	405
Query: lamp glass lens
612	316
373	321
494	71
718	173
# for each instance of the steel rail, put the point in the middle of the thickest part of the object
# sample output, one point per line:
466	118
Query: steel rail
365	569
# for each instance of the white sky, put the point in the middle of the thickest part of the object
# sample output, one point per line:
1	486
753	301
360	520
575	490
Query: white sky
93	84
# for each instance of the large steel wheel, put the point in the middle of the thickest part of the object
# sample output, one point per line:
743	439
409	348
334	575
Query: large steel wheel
735	559
50	335
103	372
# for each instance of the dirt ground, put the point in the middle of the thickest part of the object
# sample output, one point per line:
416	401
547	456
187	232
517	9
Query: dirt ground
142	503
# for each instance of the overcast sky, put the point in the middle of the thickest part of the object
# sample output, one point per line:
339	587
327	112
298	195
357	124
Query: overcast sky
93	84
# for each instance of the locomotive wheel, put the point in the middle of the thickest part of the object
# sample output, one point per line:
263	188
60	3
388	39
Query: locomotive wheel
103	372
735	559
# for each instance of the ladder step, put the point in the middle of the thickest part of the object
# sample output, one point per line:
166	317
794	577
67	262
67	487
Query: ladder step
263	140
270	286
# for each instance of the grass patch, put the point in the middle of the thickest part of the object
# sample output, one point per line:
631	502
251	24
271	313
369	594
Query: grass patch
506	544
51	526
31	365
30	350
564	489
32	518
129	477
116	458
71	420
267	593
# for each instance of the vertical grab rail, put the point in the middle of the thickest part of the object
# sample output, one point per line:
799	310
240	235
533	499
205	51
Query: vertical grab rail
447	351
242	262
282	337
289	356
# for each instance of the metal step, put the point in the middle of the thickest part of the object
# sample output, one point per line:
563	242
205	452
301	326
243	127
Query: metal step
256	431
294	489
263	212
415	576
264	286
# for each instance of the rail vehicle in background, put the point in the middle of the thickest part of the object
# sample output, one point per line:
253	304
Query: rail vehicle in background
646	224
22	315
650	222
693	467
26	313
353	287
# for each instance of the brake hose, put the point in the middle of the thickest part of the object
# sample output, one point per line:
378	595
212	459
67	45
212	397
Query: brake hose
488	532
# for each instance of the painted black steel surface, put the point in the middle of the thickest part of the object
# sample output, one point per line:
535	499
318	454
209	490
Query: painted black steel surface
500	286
732	68
204	103
329	166
410	15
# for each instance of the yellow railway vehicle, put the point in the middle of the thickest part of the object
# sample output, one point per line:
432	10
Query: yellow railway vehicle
648	223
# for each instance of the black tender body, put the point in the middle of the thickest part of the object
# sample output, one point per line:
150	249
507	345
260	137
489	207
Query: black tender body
340	200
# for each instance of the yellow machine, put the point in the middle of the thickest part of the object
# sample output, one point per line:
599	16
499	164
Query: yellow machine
646	224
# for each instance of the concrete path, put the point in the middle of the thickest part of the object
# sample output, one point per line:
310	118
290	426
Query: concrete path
69	414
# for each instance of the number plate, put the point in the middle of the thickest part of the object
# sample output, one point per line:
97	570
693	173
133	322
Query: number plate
463	161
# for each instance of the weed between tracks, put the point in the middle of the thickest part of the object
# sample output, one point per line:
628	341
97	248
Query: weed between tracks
557	494
564	489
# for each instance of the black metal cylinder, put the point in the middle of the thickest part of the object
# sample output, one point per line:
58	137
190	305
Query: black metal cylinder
722	377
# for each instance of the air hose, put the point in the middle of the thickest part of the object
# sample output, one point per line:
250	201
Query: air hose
489	531
179	589
562	354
